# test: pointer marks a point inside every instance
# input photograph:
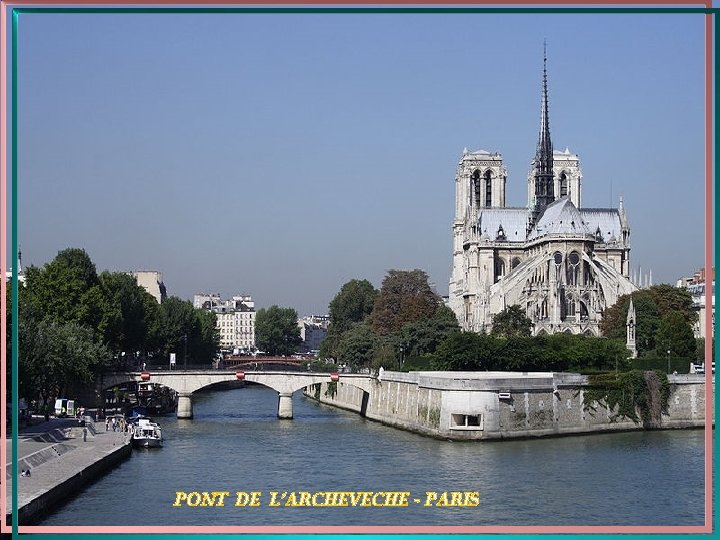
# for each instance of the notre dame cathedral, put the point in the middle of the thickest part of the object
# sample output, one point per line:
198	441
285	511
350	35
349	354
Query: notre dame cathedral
564	264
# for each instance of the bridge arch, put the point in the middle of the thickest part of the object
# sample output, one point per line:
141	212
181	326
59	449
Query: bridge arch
185	383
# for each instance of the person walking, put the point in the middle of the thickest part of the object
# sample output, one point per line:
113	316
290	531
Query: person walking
84	434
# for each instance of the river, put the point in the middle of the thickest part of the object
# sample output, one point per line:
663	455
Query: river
236	443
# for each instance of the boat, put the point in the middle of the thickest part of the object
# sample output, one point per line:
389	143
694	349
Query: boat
146	433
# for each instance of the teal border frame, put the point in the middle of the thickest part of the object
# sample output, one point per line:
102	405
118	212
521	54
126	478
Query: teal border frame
15	13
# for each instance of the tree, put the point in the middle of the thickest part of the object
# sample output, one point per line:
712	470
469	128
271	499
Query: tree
67	289
669	298
208	341
675	336
405	296
613	324
511	322
357	347
467	351
185	328
423	337
353	304
125	321
54	355
276	330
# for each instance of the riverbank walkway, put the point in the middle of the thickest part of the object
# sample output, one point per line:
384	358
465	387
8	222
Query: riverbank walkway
60	462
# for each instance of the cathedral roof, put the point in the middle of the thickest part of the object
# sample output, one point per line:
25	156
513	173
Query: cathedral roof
512	220
560	217
606	220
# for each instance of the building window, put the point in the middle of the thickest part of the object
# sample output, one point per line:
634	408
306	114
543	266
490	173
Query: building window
563	185
466	422
488	188
499	269
475	196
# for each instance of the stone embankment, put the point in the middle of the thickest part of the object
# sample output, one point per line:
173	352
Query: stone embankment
61	463
500	405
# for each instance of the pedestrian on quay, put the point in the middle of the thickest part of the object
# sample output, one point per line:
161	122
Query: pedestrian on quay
84	434
114	424
107	424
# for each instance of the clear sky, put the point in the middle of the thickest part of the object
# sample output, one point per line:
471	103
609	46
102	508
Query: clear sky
283	155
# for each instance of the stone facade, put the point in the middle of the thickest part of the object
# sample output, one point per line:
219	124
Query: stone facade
562	263
152	282
235	320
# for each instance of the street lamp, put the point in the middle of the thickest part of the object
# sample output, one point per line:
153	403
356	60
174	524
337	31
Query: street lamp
668	369
185	354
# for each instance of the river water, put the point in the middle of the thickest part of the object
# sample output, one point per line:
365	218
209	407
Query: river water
236	443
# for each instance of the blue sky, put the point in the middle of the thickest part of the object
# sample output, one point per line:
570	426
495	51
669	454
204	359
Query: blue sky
283	155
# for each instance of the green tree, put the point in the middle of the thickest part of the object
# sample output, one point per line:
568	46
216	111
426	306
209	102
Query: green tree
669	298
178	327
67	289
125	321
651	305
353	304
676	336
208	339
468	351
277	331
511	322
54	354
405	296
357	348
647	315
423	337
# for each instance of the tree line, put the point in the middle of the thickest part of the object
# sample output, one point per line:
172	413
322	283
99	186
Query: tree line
405	325
74	324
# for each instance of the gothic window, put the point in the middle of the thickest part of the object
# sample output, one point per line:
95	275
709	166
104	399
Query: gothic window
557	257
570	307
499	268
475	195
488	188
500	234
583	311
563	185
573	268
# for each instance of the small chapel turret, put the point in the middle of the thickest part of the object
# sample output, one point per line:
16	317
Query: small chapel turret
630	326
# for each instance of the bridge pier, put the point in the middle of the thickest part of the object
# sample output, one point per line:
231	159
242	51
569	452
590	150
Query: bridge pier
184	406
285	407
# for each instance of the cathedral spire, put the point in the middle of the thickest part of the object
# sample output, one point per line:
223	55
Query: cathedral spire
543	163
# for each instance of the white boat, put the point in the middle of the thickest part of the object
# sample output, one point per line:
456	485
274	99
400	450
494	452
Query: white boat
147	434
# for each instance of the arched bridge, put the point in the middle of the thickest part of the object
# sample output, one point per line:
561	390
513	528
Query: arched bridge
284	382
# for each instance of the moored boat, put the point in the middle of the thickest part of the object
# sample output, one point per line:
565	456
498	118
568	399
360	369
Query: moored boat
146	434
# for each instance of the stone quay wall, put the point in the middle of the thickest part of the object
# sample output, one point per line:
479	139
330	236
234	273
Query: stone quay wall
62	463
499	405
